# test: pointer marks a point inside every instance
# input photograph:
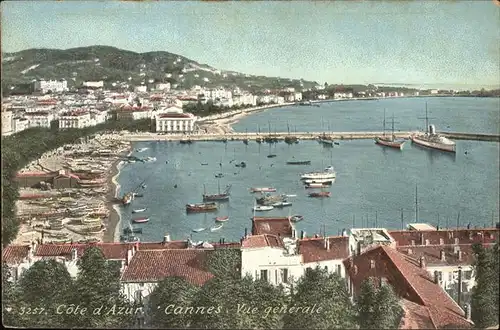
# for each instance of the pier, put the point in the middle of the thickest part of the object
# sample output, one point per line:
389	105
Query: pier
252	136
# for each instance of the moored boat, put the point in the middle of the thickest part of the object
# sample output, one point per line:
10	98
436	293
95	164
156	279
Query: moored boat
139	210
198	230
201	207
127	199
265	189
271	156
299	162
216	227
316	185
328	173
222	219
282	204
224	196
324	181
140	220
130	230
320	194
431	139
389	141
260	208
296	218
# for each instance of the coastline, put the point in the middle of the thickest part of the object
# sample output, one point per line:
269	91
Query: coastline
112	233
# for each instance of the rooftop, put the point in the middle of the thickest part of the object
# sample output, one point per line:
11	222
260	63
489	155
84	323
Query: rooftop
259	241
274	226
314	250
15	254
446	236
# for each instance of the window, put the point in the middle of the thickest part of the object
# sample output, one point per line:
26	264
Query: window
263	275
339	269
326	268
138	296
141	285
284	275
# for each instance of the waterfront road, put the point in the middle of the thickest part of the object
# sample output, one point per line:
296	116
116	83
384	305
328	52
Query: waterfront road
299	135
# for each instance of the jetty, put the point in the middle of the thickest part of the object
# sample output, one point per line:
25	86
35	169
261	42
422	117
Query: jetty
281	136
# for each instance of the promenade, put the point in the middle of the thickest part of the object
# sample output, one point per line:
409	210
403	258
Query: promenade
252	136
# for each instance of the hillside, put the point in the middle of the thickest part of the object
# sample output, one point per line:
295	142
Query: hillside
119	66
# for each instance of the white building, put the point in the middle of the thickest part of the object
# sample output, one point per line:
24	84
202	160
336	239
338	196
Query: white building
297	96
75	119
140	89
7	124
18	258
40	119
175	122
94	84
163	87
45	86
20	124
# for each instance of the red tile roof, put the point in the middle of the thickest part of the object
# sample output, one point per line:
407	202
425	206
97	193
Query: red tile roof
156	265
258	241
435	237
409	281
15	254
162	245
116	251
313	249
274	226
415	316
432	254
175	115
44	174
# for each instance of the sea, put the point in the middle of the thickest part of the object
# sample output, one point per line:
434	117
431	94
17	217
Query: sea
375	186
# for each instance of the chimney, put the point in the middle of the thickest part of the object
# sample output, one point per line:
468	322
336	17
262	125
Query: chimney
442	255
422	262
410	251
294	233
459	255
301	234
327	243
427	242
74	254
441	241
413	242
372	264
456	248
467	311
130	254
436	277
456	240
166	238
422	241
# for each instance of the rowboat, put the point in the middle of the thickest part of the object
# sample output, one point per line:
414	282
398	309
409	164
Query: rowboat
282	204
140	220
201	207
139	210
316	185
296	218
262	208
265	189
320	194
222	219
197	230
217	227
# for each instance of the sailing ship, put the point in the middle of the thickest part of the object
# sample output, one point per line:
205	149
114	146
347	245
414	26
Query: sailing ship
220	197
201	207
389	141
431	139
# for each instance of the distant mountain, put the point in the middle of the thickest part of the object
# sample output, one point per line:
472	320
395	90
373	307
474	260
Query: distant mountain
119	66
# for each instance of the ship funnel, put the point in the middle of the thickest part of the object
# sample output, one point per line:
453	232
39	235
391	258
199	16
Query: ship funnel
432	129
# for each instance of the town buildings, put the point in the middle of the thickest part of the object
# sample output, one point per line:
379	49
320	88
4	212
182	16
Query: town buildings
54	86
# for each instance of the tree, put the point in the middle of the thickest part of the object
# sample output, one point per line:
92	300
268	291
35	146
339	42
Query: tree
366	302
171	293
224	262
43	288
388	311
484	300
326	291
97	288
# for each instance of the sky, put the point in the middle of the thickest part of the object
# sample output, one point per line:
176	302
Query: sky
448	44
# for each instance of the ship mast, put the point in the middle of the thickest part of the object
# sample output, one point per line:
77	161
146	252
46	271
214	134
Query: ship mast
426	119
384	122
393	137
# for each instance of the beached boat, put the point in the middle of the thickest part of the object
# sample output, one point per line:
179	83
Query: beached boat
139	210
127	199
282	204
299	162
265	189
217	227
320	194
316	185
222	219
260	208
140	220
201	207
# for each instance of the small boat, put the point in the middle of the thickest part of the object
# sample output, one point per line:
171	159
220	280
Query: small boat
141	149
219	175
296	218
129	239
217	227
242	164
271	156
201	207
204	164
282	204
258	140
299	162
265	189
222	219
336	143
198	230
140	220
138	195
285	195
328	173
245	141
316	185
260	208
139	210
324	181
130	230
150	159
144	186
320	194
